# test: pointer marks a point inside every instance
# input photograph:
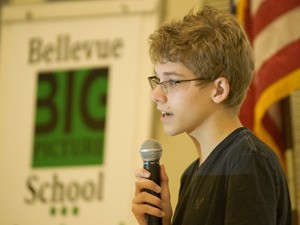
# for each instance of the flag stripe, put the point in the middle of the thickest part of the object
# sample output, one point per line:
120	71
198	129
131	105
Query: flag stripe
269	11
278	66
273	93
243	15
255	5
272	128
268	42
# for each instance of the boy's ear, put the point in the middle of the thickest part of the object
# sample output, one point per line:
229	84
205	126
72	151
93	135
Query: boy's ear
220	90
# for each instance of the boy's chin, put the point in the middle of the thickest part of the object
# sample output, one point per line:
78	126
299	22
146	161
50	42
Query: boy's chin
171	132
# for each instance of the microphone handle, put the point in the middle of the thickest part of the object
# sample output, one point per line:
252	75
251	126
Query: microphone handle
154	168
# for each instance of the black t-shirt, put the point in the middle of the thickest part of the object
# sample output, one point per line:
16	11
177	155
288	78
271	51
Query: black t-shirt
240	183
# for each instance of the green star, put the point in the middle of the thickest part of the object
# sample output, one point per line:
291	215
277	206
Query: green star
64	211
75	210
52	211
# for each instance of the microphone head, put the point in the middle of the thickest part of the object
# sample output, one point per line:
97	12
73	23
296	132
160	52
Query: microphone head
151	150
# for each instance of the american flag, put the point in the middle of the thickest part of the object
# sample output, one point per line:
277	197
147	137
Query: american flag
273	27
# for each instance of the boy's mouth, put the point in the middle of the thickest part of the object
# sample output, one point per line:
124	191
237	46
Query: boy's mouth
164	114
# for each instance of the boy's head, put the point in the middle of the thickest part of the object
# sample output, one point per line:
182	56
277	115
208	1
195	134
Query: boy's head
212	44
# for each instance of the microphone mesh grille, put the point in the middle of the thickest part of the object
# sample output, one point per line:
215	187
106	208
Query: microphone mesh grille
151	150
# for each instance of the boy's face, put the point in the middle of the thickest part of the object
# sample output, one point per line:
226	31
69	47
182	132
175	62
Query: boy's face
184	107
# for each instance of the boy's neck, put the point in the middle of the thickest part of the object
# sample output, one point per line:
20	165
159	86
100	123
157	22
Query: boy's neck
213	132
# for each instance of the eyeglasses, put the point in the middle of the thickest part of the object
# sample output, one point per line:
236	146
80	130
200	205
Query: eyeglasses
169	85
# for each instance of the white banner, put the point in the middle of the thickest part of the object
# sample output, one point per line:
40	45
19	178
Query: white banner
74	109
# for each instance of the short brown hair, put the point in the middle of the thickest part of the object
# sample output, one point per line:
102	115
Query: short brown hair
212	44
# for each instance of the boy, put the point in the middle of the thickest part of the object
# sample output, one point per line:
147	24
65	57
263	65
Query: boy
203	66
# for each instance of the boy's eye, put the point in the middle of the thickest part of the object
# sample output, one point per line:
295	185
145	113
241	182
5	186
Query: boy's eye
173	82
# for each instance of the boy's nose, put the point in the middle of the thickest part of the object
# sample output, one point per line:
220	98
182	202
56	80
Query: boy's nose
158	95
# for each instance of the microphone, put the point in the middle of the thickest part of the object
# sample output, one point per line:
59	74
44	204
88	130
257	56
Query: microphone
150	152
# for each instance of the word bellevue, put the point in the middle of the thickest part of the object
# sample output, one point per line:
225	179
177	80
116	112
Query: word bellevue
64	49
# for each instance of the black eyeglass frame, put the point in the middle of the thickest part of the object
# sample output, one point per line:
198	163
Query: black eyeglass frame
154	79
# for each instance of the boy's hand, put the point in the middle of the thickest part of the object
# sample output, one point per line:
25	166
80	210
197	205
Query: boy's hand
145	203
